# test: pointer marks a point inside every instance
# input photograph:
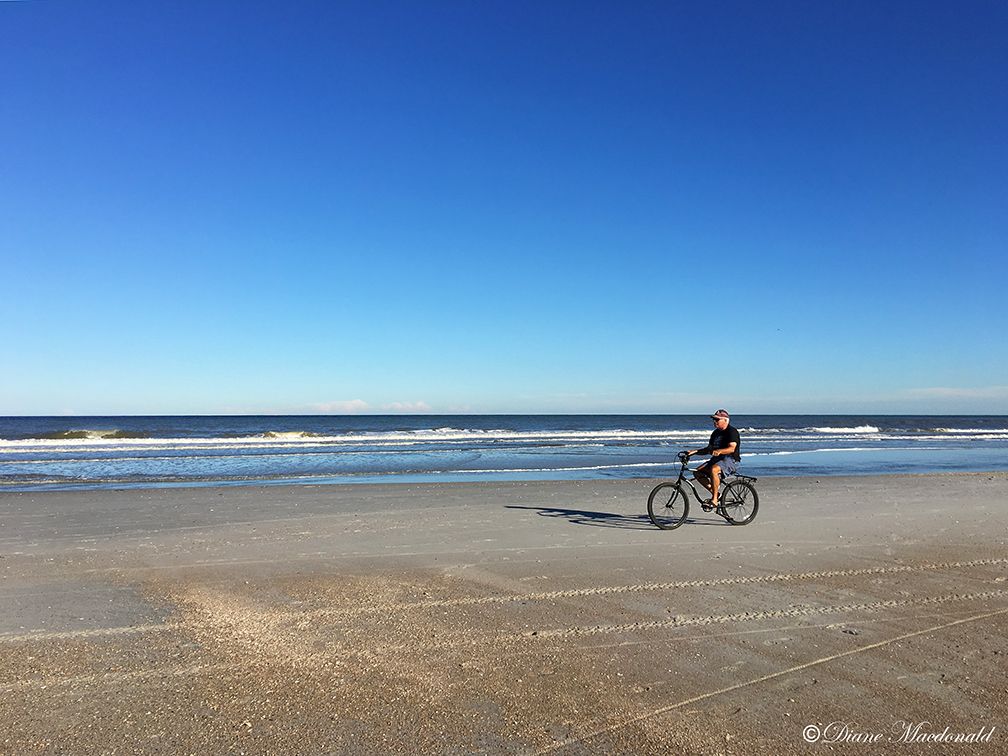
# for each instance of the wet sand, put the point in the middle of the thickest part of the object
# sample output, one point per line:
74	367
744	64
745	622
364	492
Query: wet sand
503	618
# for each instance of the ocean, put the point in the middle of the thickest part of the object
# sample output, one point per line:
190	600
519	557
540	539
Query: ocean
68	453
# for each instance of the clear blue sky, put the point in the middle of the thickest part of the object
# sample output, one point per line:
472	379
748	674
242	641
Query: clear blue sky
503	207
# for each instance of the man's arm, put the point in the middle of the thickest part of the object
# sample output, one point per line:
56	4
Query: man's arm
729	449
706	450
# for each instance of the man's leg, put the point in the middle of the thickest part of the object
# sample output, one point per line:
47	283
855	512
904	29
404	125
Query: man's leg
715	482
702	475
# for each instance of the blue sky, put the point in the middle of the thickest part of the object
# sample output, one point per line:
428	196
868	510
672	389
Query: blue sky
241	207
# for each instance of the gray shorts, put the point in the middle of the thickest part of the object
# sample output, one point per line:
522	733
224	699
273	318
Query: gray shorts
727	465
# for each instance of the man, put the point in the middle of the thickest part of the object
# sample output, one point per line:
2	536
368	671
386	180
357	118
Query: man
724	450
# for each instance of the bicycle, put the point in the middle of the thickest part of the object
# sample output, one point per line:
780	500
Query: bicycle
668	504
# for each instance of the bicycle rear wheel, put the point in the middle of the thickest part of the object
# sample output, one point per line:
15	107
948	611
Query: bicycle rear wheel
739	502
667	506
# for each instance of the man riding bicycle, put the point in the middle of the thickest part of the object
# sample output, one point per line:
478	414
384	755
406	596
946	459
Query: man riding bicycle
724	450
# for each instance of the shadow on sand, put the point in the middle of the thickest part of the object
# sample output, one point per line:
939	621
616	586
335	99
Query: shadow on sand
606	519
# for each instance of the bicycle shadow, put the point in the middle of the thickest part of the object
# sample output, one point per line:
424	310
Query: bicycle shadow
595	519
605	519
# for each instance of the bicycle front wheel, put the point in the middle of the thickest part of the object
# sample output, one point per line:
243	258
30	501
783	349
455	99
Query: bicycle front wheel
667	506
739	502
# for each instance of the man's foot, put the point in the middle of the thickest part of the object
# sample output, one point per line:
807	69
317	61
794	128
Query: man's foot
708	505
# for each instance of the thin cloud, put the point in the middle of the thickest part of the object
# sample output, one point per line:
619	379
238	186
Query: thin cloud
407	407
345	407
954	392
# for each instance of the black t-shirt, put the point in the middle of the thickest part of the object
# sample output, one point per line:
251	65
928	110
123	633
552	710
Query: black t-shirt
719	439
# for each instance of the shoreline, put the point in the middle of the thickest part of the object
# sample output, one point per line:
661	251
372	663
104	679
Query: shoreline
514	617
425	480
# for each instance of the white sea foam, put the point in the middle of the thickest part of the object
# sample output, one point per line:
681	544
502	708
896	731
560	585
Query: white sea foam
109	441
815	451
857	429
844	449
306	439
984	431
281	478
982	436
554	469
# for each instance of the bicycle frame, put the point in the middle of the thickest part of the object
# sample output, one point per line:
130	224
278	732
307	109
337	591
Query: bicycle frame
684	468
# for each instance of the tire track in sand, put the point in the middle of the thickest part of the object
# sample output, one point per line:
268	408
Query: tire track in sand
620	724
385	607
302	658
806	610
664	586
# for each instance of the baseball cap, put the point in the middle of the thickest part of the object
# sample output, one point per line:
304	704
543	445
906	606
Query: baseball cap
720	413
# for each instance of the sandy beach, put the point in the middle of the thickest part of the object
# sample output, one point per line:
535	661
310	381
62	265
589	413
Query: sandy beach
505	618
